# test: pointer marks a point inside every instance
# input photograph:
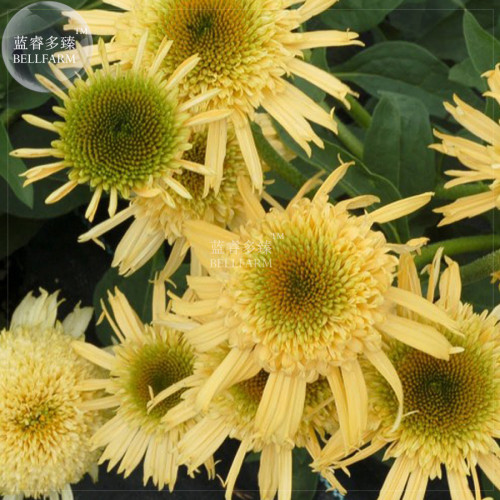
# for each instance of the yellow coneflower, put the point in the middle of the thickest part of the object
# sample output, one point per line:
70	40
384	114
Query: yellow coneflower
123	131
232	414
482	160
246	47
147	360
156	221
44	434
452	408
301	292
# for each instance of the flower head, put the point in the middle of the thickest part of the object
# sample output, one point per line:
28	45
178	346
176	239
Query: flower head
123	131
246	47
147	360
156	220
451	407
482	160
44	434
300	293
232	414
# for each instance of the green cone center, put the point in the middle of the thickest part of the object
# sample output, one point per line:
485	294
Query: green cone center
158	366
304	285
121	131
446	399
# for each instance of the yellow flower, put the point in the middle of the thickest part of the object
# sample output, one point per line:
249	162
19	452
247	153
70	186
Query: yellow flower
124	131
246	47
304	296
232	414
44	434
452	408
481	160
156	221
147	360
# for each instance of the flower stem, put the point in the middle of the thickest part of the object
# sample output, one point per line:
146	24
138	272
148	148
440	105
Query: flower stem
481	268
267	153
457	246
358	113
353	144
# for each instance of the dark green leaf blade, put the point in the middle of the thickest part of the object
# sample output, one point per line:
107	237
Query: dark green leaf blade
396	145
483	48
358	15
466	74
404	68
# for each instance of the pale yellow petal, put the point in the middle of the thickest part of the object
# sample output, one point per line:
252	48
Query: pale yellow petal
61	192
400	208
94	354
396	480
459	488
248	149
418	335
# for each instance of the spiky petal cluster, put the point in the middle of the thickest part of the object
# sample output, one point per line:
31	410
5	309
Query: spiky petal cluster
482	160
300	293
451	408
156	221
232	414
246	47
147	360
44	434
123	131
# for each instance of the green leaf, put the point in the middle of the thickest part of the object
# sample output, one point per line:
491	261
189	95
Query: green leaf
137	288
21	98
404	68
437	24
358	15
10	168
446	40
466	74
304	481
483	48
481	294
15	233
397	144
415	18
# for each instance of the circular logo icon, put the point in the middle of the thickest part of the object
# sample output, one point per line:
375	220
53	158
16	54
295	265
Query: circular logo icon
38	35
